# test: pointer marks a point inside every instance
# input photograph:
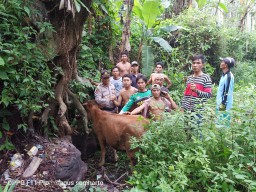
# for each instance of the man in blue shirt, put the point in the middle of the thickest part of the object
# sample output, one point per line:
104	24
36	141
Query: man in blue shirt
225	90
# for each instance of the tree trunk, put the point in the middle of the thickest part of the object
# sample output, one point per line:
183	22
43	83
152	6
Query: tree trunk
125	45
68	25
180	5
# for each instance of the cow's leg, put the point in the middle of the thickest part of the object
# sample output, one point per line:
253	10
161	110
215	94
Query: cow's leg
103	152
130	152
131	156
115	155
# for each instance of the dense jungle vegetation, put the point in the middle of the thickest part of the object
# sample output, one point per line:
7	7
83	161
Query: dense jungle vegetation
49	49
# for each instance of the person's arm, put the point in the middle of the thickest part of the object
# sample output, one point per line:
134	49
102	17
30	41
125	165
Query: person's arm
173	104
118	102
138	109
113	93
168	81
204	94
93	82
150	80
128	105
98	97
207	89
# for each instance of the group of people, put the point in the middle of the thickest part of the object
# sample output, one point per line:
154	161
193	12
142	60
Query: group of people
125	89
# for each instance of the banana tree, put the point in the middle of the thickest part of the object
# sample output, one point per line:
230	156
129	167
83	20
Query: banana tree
147	13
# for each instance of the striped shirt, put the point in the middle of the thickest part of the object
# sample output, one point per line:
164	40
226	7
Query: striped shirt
204	91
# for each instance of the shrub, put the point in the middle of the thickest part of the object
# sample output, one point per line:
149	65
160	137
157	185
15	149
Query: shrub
223	159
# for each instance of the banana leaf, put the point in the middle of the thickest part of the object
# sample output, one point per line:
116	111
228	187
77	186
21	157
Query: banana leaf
163	43
147	60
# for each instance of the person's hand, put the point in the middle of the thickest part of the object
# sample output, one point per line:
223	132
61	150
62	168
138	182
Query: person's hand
222	107
164	94
193	87
112	98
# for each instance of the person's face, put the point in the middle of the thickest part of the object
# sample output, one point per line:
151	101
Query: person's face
105	80
156	93
197	65
124	58
159	81
115	72
141	84
126	81
159	68
223	65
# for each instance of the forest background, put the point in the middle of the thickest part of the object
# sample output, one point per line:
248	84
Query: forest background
49	50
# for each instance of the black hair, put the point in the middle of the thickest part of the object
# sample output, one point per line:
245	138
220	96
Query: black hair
141	77
199	56
115	68
124	53
160	63
127	75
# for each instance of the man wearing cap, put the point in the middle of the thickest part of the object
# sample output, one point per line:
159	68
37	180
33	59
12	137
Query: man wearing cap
134	73
124	66
105	93
226	85
156	105
224	97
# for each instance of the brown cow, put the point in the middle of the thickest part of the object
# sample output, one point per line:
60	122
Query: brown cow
115	130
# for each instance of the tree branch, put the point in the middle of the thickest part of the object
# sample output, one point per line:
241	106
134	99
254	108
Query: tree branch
58	97
80	109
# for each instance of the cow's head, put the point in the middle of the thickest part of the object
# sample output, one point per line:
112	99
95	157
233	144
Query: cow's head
89	107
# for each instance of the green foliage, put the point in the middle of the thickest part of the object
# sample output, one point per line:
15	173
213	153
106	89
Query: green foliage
147	60
223	159
99	35
203	3
201	36
7	145
82	89
149	16
240	45
25	74
245	72
78	188
25	77
9	187
164	44
190	33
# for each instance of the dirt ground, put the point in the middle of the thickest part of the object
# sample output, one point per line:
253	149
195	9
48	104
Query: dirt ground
111	177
